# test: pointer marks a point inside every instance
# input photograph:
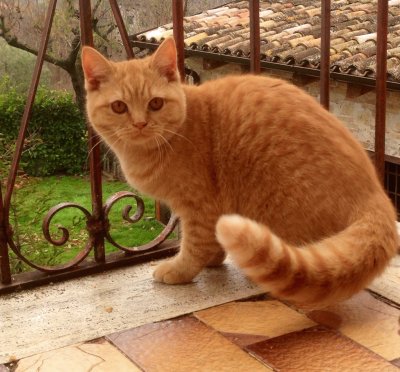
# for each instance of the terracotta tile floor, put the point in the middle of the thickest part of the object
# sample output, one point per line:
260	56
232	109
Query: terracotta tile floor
258	334
255	334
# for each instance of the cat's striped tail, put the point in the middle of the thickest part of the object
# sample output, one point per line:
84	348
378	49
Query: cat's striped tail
315	275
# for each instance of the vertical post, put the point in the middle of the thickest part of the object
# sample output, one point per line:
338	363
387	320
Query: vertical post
255	56
28	108
122	29
5	207
325	52
381	71
163	214
177	21
85	16
5	271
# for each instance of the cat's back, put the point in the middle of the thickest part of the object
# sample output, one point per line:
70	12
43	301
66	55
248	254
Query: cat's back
251	107
268	131
249	101
251	87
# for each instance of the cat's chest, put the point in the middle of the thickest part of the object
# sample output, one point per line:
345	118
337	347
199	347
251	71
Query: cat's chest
146	177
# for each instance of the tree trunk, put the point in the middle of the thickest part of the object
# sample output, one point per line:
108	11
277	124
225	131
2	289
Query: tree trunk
77	80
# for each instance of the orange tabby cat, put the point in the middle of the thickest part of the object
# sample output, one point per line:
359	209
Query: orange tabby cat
254	167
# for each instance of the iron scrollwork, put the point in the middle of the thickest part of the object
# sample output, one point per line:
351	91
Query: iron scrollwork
104	225
168	229
57	242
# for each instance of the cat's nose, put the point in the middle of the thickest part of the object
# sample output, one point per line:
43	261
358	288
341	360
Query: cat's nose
140	125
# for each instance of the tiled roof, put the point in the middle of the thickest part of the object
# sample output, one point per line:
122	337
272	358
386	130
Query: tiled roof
290	34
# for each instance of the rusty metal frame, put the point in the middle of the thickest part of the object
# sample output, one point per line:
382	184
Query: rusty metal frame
6	234
325	52
97	222
381	87
255	47
177	21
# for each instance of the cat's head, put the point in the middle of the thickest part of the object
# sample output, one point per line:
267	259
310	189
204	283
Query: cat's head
137	102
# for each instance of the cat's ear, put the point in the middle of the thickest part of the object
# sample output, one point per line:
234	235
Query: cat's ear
164	60
95	67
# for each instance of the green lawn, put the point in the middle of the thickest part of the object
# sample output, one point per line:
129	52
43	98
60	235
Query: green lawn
34	198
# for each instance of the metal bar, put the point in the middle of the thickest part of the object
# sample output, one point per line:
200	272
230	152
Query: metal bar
85	17
6	231
163	213
179	36
122	29
5	271
255	56
114	260
325	52
381	76
28	110
388	158
177	21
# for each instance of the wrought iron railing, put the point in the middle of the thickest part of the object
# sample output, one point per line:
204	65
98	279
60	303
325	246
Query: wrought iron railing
97	221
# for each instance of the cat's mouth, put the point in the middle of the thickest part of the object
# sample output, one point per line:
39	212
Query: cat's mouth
140	136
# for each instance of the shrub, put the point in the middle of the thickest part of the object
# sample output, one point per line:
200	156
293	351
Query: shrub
56	135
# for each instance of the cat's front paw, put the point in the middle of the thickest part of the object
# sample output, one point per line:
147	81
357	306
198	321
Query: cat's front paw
170	273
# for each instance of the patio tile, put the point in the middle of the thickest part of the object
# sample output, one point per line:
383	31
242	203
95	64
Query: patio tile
242	339
396	362
387	285
366	320
261	318
94	357
318	349
184	344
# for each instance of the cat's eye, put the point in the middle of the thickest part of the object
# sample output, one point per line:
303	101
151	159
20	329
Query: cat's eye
156	103
119	107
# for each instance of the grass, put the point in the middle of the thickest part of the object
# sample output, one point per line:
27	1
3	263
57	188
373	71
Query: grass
34	197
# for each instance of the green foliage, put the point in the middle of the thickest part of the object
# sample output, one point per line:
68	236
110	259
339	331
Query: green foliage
56	135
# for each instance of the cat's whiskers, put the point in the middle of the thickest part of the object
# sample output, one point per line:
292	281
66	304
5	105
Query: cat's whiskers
114	136
166	141
159	149
108	151
179	135
101	140
92	149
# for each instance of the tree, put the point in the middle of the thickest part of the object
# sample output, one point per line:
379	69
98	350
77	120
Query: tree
21	26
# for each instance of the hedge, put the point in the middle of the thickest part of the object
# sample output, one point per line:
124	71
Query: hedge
56	137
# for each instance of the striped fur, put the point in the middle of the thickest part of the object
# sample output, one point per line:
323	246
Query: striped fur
315	274
255	168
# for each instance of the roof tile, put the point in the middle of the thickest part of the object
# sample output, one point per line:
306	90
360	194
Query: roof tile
290	32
